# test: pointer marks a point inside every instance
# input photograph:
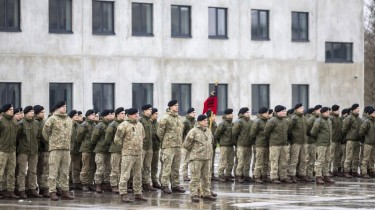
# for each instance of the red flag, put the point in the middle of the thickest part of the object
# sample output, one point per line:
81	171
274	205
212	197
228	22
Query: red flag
211	102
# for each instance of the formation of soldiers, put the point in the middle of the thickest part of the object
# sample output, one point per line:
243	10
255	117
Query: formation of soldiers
119	151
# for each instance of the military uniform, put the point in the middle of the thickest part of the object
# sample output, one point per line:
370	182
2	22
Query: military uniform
310	148
261	147
155	154
43	158
350	129
115	151
189	123
367	130
214	144
75	156
336	151
147	151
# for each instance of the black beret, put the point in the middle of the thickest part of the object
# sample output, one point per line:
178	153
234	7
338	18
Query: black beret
119	110
28	109
228	111
317	107
311	110
132	111
370	110
147	106
6	107
60	104
72	113
263	110
111	111
89	112
354	106
105	112
17	110
190	110
208	113
324	109
79	112
345	111
365	110
298	106
172	103
38	109
290	111
279	108
270	111
154	110
201	117
243	110
335	107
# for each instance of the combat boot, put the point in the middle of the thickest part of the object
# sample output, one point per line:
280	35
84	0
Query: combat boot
98	188
229	178
294	179
275	181
222	179
366	176
34	194
248	179
186	179
178	189
156	185
10	194
106	187
44	192
209	198
347	175
258	180
166	190
54	196
214	178
213	194
319	180
239	179
65	195
115	189
356	174
372	174
139	197
195	198
125	198
328	180
58	191
22	194
85	188
288	181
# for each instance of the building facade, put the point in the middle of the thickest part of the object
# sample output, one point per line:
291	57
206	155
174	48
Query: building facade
106	54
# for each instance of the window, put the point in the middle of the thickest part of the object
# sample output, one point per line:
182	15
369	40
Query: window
60	16
217	22
182	93
103	17
180	21
9	15
260	96
103	96
142	94
222	97
61	92
300	94
259	24
10	93
142	19
300	26
339	52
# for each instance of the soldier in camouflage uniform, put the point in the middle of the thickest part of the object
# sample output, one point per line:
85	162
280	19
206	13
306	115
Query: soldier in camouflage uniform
130	135
310	146
84	134
211	120
75	155
189	123
155	149
58	130
27	149
170	135
367	131
241	135
336	140
199	143
344	114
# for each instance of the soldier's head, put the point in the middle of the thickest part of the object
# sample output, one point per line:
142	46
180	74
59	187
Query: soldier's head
298	108
228	113
244	111
325	111
371	112
29	112
132	113
154	114
120	113
147	109
280	111
270	113
112	114
106	115
345	112
90	114
202	120
61	107
39	111
18	113
8	109
210	114
355	108
80	116
263	111
173	106
191	112
73	115
335	109
317	109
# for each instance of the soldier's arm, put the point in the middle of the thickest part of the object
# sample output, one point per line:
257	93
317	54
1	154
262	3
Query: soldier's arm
254	129
268	128
364	128
346	125
219	131
161	129
81	133
315	129
120	133
109	134
19	132
96	134
236	129
47	129
189	139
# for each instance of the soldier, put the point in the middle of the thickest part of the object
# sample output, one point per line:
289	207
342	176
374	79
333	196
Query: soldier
212	126
336	140
308	113
298	131
27	149
18	114
8	134
58	130
367	130
276	130
322	131
310	147
146	121
130	135
115	150
75	155
344	114
223	134
199	144
241	135
170	135
155	149
84	134
189	123
102	157
80	117
350	129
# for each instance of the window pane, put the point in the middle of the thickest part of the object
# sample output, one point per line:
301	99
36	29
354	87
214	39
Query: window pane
107	17
337	51
295	26
211	21
300	94
53	14
61	92
10	93
68	15
142	94
185	21
103	96
259	97
347	51
329	53
263	21
303	26
175	20
182	93
12	14
148	19
96	16
221	13
254	23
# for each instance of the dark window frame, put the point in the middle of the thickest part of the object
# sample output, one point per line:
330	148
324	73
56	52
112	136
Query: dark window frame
254	110
211	87
182	111
101	32
143	85
102	92
342	58
217	24
7	91
299	39
6	28
180	35
257	37
298	88
141	33
69	106
60	31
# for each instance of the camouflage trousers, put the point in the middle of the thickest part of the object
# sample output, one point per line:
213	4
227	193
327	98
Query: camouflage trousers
114	177
343	157
26	164
297	159
200	177
336	153
322	160
171	159
154	166
185	164
88	168
146	166
103	170
75	167
361	149
368	158
253	161
279	161
352	156
7	170
261	162
131	166
43	169
59	161
244	160
213	160
226	161
310	150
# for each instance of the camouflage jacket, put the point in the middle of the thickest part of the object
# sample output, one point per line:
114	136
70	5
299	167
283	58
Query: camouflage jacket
43	145
27	137
310	123
189	123
241	131
350	127
298	129
74	145
322	131
110	136
223	133
84	134
147	125
8	133
130	134
155	138
170	131
98	137
199	142
257	132
277	131
58	130
336	128
368	130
